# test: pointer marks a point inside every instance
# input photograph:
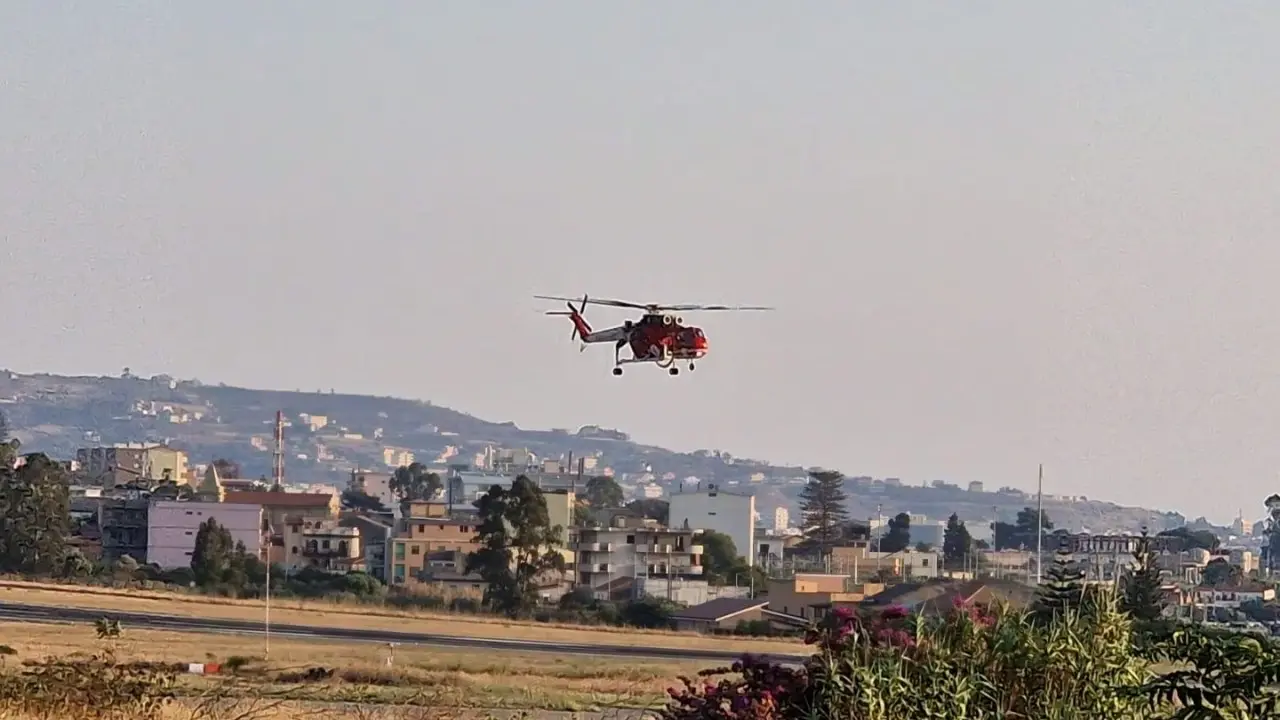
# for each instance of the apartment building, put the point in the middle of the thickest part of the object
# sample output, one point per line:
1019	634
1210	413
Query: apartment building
172	527
375	534
322	545
374	484
730	513
124	463
611	561
427	531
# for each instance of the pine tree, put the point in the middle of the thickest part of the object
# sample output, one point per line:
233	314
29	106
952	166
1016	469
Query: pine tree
822	508
898	536
956	542
517	545
1143	598
1063	587
35	515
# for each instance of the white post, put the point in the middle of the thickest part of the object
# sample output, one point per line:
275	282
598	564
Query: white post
266	613
1040	525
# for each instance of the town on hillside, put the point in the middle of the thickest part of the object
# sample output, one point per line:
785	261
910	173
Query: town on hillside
515	533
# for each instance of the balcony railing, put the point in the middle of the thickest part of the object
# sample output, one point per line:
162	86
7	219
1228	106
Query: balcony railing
595	547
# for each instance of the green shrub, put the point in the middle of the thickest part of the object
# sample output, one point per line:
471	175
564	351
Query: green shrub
974	664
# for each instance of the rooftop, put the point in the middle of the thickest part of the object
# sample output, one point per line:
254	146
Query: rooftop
279	499
720	609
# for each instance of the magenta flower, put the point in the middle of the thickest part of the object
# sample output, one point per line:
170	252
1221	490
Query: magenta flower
894	612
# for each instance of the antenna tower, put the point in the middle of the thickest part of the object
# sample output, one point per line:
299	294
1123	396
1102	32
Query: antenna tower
277	456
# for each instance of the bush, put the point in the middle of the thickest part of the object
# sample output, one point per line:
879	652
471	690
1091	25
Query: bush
93	687
972	663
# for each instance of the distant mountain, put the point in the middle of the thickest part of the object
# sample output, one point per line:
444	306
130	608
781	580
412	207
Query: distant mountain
58	414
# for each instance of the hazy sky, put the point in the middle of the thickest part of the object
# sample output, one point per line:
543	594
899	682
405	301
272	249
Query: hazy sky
997	233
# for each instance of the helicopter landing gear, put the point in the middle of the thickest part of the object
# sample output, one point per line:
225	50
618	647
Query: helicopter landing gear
674	371
617	371
690	367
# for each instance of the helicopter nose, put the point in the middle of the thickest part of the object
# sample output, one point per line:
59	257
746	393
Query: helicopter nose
700	343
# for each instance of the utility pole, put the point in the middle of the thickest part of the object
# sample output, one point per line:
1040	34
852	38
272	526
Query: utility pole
266	613
1040	524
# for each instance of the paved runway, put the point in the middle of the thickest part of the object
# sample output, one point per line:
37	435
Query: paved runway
46	613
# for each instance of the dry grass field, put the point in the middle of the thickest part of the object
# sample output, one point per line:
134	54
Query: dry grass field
325	614
422	677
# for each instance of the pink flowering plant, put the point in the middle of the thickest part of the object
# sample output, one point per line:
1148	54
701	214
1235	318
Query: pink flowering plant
965	662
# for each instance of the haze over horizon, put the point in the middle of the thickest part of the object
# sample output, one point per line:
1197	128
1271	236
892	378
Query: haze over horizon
997	234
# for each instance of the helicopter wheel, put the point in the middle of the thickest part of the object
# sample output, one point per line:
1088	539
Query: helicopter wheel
617	371
674	371
690	367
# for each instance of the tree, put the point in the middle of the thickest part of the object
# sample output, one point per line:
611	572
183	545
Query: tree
8	446
956	542
603	492
822	508
360	500
652	508
35	514
1143	598
226	468
517	545
1193	539
1020	534
898	536
1220	573
720	559
413	482
1063	588
211	558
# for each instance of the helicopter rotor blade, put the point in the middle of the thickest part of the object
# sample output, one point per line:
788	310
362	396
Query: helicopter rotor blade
596	301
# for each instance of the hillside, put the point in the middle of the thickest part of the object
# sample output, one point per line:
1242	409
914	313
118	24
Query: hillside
58	414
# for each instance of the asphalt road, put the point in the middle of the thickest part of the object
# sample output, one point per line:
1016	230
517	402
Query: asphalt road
45	613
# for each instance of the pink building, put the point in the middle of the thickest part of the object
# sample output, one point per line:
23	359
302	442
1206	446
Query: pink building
172	526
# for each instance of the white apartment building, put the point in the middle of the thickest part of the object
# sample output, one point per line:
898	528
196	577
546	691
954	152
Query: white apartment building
725	512
617	562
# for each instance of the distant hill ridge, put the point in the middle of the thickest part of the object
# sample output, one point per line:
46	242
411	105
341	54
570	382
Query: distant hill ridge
59	414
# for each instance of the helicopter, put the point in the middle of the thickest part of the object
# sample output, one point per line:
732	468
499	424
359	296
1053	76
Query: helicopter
659	336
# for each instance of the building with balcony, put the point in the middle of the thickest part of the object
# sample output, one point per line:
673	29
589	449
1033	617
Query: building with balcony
322	545
172	526
426	531
730	513
610	561
123	521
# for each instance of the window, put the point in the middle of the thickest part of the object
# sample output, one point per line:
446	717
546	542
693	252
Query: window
631	539
188	532
293	550
399	574
466	528
325	544
188	512
399	551
417	550
924	562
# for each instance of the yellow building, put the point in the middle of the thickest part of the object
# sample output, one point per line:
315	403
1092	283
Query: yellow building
427	538
162	461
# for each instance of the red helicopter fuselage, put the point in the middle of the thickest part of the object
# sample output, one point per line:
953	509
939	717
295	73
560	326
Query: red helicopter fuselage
659	335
